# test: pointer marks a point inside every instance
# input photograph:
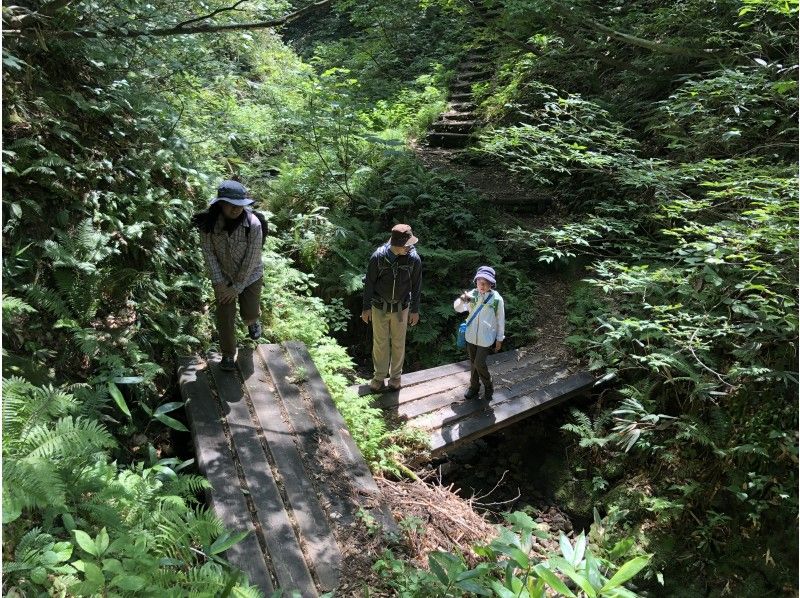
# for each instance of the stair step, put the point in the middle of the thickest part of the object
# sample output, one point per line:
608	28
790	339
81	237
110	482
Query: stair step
457	115
449	140
461	96
444	126
472	75
463	107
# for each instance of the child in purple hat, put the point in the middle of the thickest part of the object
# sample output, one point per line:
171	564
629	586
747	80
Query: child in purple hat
485	332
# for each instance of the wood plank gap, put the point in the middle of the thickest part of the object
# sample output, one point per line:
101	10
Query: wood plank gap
356	471
319	546
280	536
215	461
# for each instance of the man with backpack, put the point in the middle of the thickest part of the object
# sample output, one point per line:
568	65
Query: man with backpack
231	237
391	301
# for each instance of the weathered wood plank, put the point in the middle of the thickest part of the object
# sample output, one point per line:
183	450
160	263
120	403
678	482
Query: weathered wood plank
283	546
407	394
434	401
332	419
462	408
356	468
509	412
322	552
446	370
215	461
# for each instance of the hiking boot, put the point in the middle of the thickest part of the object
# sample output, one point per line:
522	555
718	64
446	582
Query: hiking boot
472	392
395	384
488	391
377	386
227	364
254	330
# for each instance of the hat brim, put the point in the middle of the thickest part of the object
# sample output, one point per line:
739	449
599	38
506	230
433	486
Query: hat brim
412	241
486	277
236	202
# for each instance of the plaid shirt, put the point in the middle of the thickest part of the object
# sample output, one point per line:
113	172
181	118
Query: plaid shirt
234	259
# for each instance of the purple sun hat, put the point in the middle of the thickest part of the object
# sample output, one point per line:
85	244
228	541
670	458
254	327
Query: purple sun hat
487	273
232	192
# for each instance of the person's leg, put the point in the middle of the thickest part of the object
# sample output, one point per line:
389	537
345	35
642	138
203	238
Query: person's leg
250	302
226	321
479	366
398	328
380	346
474	384
250	308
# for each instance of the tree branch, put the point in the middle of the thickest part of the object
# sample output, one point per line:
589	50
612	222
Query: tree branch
646	43
181	29
208	16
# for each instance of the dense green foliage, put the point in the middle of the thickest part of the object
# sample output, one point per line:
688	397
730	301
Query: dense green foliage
666	133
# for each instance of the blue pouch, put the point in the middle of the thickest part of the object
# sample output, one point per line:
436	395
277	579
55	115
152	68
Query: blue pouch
461	336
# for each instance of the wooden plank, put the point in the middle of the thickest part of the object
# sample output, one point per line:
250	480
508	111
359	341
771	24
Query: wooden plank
283	546
332	419
446	370
509	412
438	395
355	467
459	409
407	394
322	552
215	462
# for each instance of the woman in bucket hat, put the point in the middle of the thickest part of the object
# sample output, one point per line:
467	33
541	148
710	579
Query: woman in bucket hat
230	236
486	331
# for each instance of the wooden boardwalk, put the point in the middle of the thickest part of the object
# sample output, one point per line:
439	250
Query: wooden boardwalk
525	384
263	436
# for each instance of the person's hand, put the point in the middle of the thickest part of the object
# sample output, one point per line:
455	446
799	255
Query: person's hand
366	315
413	319
497	345
225	294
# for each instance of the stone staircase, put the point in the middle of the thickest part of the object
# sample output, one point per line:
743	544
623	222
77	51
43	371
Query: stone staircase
454	129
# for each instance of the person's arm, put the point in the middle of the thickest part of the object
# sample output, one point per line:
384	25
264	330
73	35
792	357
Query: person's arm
461	304
214	269
416	286
252	256
369	288
501	324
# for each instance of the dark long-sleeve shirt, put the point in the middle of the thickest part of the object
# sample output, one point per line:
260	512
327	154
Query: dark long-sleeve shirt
393	280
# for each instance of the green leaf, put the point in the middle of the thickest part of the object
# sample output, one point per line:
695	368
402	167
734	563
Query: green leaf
521	521
167	407
627	571
171	422
129	583
101	542
437	569
502	591
39	575
225	541
553	580
85	542
118	398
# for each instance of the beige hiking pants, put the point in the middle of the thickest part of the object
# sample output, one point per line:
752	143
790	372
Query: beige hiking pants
388	343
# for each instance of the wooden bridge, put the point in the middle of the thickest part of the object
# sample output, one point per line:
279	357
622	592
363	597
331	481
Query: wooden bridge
525	384
284	467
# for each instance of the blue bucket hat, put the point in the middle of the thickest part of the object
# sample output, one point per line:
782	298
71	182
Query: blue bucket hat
487	273
232	192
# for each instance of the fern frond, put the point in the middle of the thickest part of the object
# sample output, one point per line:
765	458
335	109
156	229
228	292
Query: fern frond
48	300
33	482
69	440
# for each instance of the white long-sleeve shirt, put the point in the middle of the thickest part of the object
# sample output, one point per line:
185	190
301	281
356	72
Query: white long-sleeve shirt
490	323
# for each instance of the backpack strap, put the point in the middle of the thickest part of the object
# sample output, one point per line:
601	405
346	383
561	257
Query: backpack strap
480	307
